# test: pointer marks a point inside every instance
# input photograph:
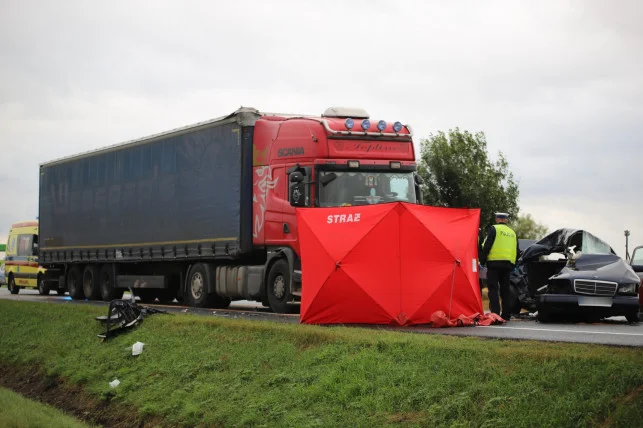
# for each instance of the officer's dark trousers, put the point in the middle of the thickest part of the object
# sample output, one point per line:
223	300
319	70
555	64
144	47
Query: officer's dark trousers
499	276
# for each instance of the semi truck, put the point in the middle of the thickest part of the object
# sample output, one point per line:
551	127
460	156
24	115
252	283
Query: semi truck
206	213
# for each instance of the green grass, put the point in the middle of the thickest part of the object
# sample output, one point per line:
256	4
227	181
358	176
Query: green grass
213	371
18	411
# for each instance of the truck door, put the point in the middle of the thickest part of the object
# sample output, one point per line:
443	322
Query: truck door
275	197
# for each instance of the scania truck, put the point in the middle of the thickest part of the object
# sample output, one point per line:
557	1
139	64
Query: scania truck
206	213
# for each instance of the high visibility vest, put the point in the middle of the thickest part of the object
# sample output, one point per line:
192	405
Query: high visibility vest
504	246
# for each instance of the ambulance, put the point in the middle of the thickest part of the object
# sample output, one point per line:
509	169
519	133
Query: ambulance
21	260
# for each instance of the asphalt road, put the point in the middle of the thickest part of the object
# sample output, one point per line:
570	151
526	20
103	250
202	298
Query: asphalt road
612	331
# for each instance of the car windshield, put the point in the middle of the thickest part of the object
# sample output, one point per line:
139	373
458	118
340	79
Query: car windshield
362	188
637	257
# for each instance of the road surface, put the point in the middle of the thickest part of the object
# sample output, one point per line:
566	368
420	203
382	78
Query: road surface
613	331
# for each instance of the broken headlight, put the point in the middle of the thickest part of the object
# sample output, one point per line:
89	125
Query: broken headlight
627	289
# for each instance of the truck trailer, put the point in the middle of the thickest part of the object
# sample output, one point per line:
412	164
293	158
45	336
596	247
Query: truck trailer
206	213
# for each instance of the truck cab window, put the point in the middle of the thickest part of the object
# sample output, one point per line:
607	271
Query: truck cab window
365	187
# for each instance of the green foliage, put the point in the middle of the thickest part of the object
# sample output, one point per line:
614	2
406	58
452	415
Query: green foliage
18	411
458	173
206	371
527	228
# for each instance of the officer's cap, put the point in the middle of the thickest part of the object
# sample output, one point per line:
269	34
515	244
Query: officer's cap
502	215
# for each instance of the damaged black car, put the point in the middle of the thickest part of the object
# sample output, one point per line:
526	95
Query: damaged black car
571	273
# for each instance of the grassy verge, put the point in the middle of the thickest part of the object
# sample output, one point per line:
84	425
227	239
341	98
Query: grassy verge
212	371
17	411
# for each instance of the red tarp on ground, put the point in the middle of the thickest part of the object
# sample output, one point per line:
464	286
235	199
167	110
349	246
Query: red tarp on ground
392	264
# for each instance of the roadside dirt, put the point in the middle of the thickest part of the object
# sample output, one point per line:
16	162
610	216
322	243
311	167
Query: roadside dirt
32	383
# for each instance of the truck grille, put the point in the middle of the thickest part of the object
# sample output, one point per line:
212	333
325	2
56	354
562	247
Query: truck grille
595	288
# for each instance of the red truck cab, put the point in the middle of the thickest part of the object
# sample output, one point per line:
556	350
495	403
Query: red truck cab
339	159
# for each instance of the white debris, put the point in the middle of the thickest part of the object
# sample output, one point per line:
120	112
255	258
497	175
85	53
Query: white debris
137	348
115	383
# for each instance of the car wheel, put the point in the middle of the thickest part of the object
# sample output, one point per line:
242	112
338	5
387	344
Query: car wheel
91	287
74	282
13	288
278	288
544	315
632	317
43	288
107	284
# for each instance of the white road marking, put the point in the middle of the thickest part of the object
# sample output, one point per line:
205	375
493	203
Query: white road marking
503	327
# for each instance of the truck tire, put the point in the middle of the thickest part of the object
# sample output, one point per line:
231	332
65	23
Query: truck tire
11	285
91	286
278	288
43	287
74	282
107	283
197	286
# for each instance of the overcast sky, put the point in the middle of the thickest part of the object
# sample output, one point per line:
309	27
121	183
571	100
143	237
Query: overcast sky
556	86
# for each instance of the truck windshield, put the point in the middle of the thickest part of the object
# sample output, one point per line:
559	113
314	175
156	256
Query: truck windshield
362	188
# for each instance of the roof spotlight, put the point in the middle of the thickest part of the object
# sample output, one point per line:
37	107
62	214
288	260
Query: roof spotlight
366	124
397	127
349	123
381	125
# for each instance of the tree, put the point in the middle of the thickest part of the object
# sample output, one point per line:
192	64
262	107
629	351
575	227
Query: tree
527	228
458	173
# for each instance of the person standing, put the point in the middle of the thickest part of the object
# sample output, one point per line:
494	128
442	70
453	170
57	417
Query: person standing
499	252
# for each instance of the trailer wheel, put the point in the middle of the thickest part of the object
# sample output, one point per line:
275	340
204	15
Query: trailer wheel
278	288
108	291
74	282
43	288
13	288
198	279
91	286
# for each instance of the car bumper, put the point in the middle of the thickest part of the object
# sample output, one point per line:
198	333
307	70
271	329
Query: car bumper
599	305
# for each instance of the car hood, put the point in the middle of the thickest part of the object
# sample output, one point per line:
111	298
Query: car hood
600	267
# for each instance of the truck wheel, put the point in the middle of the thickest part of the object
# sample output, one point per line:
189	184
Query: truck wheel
278	287
198	280
43	287
90	282
13	288
106	284
74	283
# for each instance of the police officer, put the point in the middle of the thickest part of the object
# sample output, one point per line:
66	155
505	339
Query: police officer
499	252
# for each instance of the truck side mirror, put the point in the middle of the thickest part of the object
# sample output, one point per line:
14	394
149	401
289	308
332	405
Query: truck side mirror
296	177
418	188
34	249
297	191
297	194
